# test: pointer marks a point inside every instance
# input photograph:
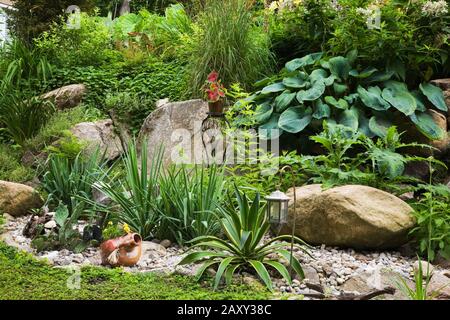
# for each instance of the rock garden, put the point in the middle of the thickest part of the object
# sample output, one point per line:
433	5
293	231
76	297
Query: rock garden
220	150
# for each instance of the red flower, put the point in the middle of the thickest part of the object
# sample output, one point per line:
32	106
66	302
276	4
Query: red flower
213	76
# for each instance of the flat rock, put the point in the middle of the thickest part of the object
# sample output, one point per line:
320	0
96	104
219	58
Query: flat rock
66	97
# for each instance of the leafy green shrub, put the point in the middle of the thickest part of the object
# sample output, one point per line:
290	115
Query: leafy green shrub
70	181
137	193
433	221
58	125
365	99
89	45
65	236
229	42
409	39
243	248
22	115
10	167
189	202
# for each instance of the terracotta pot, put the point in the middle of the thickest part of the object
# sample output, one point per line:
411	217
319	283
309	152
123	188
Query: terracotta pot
123	251
216	108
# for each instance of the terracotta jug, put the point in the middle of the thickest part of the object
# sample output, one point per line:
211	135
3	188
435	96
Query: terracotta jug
123	251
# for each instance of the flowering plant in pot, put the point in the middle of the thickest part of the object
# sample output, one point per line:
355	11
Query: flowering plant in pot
214	93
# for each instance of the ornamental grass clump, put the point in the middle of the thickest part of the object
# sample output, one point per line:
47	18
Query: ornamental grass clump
243	248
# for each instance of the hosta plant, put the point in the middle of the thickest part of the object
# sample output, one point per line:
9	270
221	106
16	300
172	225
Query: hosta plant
313	88
243	247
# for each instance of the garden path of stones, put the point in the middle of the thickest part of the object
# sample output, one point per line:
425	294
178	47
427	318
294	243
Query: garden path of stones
330	270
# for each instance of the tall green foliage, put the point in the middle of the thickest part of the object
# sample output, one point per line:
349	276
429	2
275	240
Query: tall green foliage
229	42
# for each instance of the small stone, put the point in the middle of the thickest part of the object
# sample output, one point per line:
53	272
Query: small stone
165	243
50	225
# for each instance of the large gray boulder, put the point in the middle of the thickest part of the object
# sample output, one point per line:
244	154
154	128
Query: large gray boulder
177	127
99	134
350	216
17	199
66	97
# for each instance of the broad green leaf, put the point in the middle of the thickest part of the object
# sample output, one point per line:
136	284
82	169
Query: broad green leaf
284	100
420	100
340	88
339	67
434	95
294	82
61	215
295	119
379	76
295	264
222	267
340	104
389	163
275	87
262	83
349	118
321	110
318	75
262	273
363	74
379	126
351	98
426	125
313	93
304	61
402	100
351	56
364	125
396	85
372	98
263	112
270	129
282	270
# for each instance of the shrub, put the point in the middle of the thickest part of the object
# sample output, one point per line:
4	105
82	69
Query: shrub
409	39
230	43
22	115
433	221
137	193
10	167
311	89
70	181
89	45
189	202
243	248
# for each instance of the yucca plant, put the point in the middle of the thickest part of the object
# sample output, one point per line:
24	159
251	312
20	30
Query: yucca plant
69	181
243	247
189	199
138	192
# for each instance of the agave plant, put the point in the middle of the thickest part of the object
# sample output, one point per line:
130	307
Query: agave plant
243	247
314	88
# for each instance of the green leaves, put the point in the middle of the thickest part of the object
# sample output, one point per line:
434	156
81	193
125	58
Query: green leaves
339	67
295	119
340	104
379	125
434	95
245	227
272	88
263	112
303	62
295	82
400	99
372	98
425	123
311	94
61	215
284	100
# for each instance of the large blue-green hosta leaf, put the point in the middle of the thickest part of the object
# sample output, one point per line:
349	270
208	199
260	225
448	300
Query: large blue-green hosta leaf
313	93
340	104
363	74
321	110
420	100
372	98
339	67
304	61
379	76
270	129
263	112
434	95
296	82
349	118
295	119
400	99
284	100
425	123
272	88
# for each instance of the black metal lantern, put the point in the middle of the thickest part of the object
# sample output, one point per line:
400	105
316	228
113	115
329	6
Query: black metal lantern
277	208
